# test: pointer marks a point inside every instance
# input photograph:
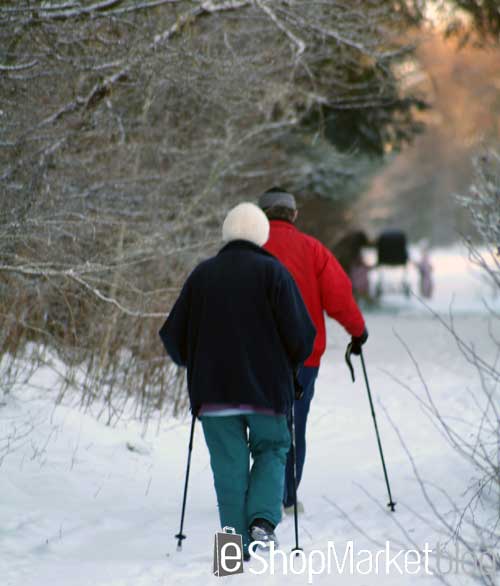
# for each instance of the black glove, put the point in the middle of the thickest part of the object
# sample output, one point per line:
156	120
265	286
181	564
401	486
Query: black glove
358	341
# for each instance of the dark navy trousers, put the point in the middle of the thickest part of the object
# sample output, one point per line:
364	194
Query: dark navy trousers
306	377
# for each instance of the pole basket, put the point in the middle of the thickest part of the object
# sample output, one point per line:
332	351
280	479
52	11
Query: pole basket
180	537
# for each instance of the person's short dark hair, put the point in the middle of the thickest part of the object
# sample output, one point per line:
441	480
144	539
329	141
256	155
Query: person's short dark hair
276	189
280	213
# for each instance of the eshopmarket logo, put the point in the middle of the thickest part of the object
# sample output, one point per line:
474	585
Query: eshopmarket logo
228	553
228	560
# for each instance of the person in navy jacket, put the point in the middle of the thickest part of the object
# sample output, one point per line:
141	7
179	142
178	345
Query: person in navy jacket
241	328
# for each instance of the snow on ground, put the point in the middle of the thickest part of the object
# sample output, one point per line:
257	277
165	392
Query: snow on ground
79	507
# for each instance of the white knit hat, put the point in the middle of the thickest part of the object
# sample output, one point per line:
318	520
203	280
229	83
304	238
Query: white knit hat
246	221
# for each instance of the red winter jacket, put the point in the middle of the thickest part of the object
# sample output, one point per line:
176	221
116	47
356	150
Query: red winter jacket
324	285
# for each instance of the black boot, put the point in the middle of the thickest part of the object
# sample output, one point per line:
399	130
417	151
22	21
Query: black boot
262	530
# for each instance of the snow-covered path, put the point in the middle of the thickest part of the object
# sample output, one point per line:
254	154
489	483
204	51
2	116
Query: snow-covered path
78	507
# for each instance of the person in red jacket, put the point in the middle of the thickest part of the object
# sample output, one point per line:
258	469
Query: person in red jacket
325	288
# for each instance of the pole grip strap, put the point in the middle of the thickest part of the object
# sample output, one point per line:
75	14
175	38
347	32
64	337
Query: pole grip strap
348	352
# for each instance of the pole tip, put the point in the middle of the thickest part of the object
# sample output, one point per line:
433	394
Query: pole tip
296	550
180	537
392	506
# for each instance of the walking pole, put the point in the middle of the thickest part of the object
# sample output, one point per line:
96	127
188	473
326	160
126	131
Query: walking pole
180	536
391	504
296	549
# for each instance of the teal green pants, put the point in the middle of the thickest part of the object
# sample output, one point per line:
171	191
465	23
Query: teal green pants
244	493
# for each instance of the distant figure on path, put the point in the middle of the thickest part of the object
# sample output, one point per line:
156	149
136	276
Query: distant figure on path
348	251
425	269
